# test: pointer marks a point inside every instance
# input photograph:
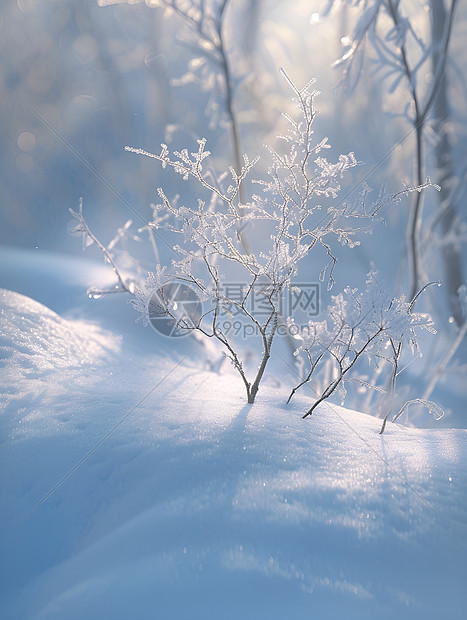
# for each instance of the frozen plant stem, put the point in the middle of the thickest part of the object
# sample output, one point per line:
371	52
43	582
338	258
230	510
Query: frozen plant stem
313	365
448	201
342	371
234	128
267	343
416	215
396	349
210	27
82	228
235	131
422	111
402	52
446	358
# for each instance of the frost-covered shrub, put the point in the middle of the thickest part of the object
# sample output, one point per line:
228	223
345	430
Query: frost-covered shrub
367	324
289	222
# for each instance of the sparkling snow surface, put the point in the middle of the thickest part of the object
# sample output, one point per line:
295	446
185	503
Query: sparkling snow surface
191	504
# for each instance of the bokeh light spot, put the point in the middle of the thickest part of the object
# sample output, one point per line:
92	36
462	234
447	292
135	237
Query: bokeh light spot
27	141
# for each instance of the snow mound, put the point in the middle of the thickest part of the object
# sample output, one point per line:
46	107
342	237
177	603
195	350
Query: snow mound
138	488
37	337
45	359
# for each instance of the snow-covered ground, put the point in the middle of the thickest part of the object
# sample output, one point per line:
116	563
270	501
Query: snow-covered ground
135	483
